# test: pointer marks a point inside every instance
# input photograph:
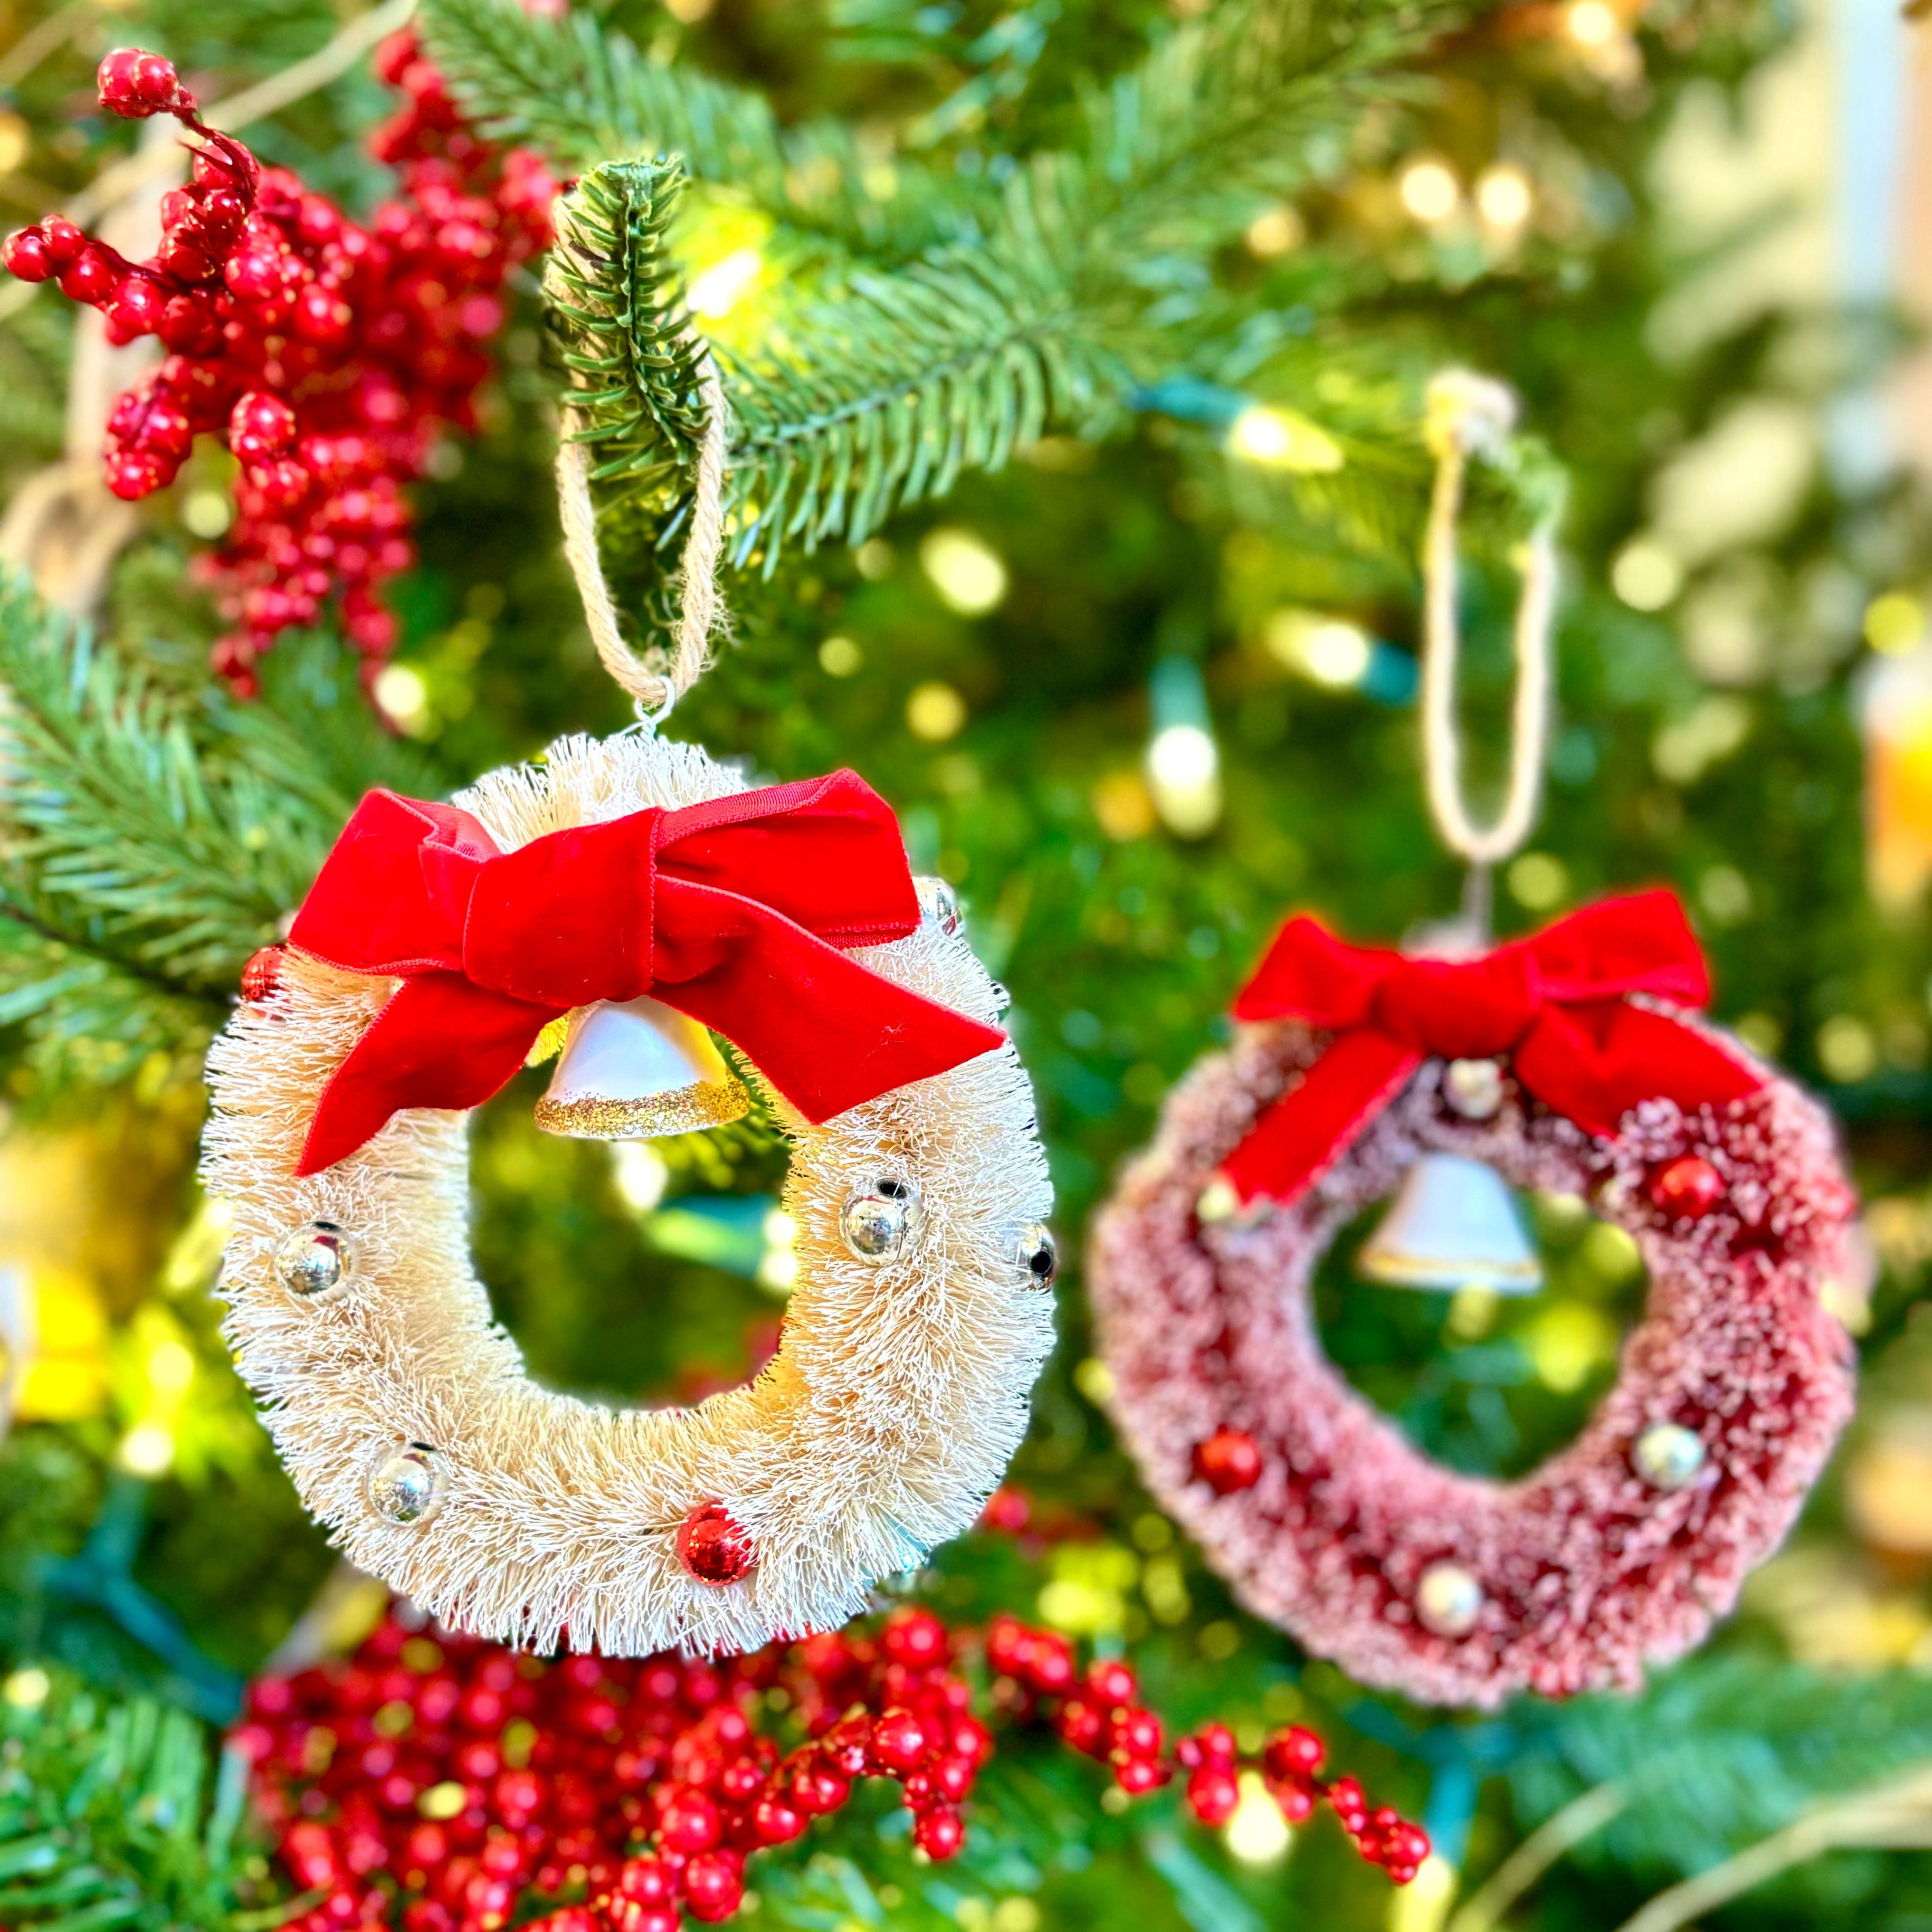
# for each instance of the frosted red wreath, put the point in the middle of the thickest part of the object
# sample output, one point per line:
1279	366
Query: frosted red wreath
1621	1550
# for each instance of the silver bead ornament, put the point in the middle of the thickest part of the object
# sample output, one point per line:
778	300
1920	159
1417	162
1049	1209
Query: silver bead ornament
1668	1456
938	902
406	1484
1039	1256
1474	1088
316	1262
1448	1600
880	1219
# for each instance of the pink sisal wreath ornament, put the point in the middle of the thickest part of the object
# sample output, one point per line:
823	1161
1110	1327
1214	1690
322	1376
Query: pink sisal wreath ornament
1618	1551
1569	1062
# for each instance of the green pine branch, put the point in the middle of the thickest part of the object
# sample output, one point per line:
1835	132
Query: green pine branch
150	840
125	843
109	1819
1088	275
1722	1751
911	377
584	95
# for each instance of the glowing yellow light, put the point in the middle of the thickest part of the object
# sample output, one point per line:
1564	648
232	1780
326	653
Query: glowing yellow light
1184	769
1569	1340
402	695
778	1267
1283	440
16	139
639	1173
443	1801
1847	1048
1504	196
935	712
840	657
1182	754
969	574
716	291
1537	880
1645	575
1592	23
1123	804
1423	1903
1894	622
170	1367
26	1689
1094	1380
1324	648
1257	1833
207	513
1335	653
1275	232
147	1450
1429	190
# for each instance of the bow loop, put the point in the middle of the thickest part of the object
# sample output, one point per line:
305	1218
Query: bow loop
740	911
1557	1004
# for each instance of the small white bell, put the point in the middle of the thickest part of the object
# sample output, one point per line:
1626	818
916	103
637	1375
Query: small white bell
633	1071
1453	1225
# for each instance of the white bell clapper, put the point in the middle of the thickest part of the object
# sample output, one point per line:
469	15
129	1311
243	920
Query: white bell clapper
1454	1224
636	1070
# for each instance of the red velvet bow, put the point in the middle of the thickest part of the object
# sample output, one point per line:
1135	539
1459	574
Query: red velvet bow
1557	1003
738	912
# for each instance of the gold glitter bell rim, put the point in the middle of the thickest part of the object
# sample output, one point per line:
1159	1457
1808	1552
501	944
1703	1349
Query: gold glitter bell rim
1454	1224
636	1070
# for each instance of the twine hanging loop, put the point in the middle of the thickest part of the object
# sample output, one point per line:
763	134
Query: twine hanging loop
1470	415
657	678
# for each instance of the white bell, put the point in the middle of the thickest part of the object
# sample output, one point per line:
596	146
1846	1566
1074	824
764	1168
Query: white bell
633	1071
1453	1225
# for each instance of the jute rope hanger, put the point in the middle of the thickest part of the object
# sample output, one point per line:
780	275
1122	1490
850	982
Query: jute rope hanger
1468	415
701	602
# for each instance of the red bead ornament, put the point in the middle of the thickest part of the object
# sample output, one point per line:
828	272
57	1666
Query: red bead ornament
1228	1461
1687	1188
712	1548
328	352
262	973
1620	1549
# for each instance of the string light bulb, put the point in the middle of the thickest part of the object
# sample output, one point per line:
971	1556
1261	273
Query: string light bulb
1429	191
1184	763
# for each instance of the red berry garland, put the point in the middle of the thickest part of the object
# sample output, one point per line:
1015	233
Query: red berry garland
328	352
442	1784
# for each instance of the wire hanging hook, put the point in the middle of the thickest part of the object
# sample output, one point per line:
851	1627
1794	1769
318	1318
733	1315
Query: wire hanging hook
1469	414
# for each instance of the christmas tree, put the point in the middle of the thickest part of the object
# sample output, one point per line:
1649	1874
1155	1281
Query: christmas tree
1077	362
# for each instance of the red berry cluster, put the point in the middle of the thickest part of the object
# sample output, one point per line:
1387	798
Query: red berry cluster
1291	1761
446	1785
328	352
433	1784
1098	1714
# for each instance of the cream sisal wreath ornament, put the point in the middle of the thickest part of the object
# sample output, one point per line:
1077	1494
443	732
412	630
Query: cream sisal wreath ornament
437	944
403	1412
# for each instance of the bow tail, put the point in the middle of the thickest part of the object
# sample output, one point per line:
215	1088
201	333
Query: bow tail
1594	1061
1310	1127
440	1041
826	1031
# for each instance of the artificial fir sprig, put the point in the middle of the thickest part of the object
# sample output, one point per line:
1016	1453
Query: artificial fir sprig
112	1817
